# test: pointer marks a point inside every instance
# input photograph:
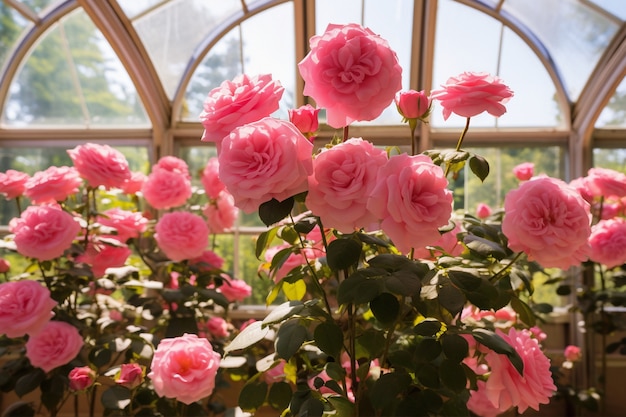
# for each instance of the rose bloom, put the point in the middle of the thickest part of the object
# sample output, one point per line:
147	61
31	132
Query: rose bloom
81	378
100	165
222	213
134	184
217	327
264	160
608	209
210	178
413	201
608	242
235	290
12	183
208	260
127	224
572	353
549	221
412	104
305	119
174	164
130	375
351	72
165	189
52	185
472	93
294	260
102	256
604	182
524	171
5	266
182	235
43	232
483	211
480	404
25	307
342	180
234	103
184	368
448	241
55	345
582	186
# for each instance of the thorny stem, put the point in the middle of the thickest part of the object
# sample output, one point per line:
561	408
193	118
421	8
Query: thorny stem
459	142
498	275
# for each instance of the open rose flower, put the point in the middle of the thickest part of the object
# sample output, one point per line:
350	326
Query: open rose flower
182	235
100	165
234	103
25	307
101	256
174	164
130	376
52	185
165	188
351	72
127	224
472	93
81	378
264	160
217	327
134	184
572	353
604	182
208	260
221	213
608	242
184	368
210	178
549	221
235	290
12	183
55	345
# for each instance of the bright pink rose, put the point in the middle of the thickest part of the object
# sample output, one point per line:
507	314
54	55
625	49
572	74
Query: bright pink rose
604	182
305	119
479	402
134	184
52	185
127	224
294	260
12	183
81	378
130	376
217	327
608	242
538	333
342	180
582	186
483	211
264	160
609	209
211	180
222	213
412	104
165	189
25	308
235	103
448	241
235	290
174	164
413	201
352	72
182	235
208	260
102	256
55	345
549	221
524	171
43	232
184	368
5	266
471	93
100	165
572	353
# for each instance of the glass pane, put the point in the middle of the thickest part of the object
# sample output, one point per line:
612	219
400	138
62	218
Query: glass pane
197	158
72	77
133	8
616	7
610	158
614	114
39	5
11	26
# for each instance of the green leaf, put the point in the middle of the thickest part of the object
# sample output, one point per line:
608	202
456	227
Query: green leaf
252	334
273	211
116	398
342	405
329	338
335	371
496	343
19	409
252	395
283	312
372	341
403	282
53	391
360	287
484	297
456	407
387	388
343	253
385	308
467	281
264	241
524	311
428	327
29	382
484	247
428	376
452	375
100	356
479	166
279	395
428	350
291	335
311	407
455	347
451	298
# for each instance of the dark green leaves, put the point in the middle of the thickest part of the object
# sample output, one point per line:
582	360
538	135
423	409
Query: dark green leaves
479	166
343	253
498	345
329	338
273	211
289	338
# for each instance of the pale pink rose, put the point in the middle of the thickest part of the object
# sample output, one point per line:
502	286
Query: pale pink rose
5	266
608	242
448	241
412	104
52	185
275	374
25	307
184	368
581	185
165	189
608	209
549	221
134	184
43	232
55	345
342	180
234	103
130	376
211	180
127	224
12	183
524	171
472	93
572	353
182	235
217	327
264	160
222	213
101	256
479	402
305	118
208	260
100	165
483	211
81	378
294	260
604	182
235	290
506	388
351	72
174	164
412	200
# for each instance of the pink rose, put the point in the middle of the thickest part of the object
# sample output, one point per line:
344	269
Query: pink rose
352	72
210	178
25	308
12	183
294	260
55	345
413	201
127	224
5	266
483	211
549	221
165	189
52	185
608	209
412	104
572	353
448	241
604	182
275	374
582	186
81	378
43	232
174	164
134	184
184	368
235	290
222	213
100	165
479	402
608	242
305	119
471	93
208	260
240	101
130	375
342	180
524	171
263	160
217	327
102	256
182	235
